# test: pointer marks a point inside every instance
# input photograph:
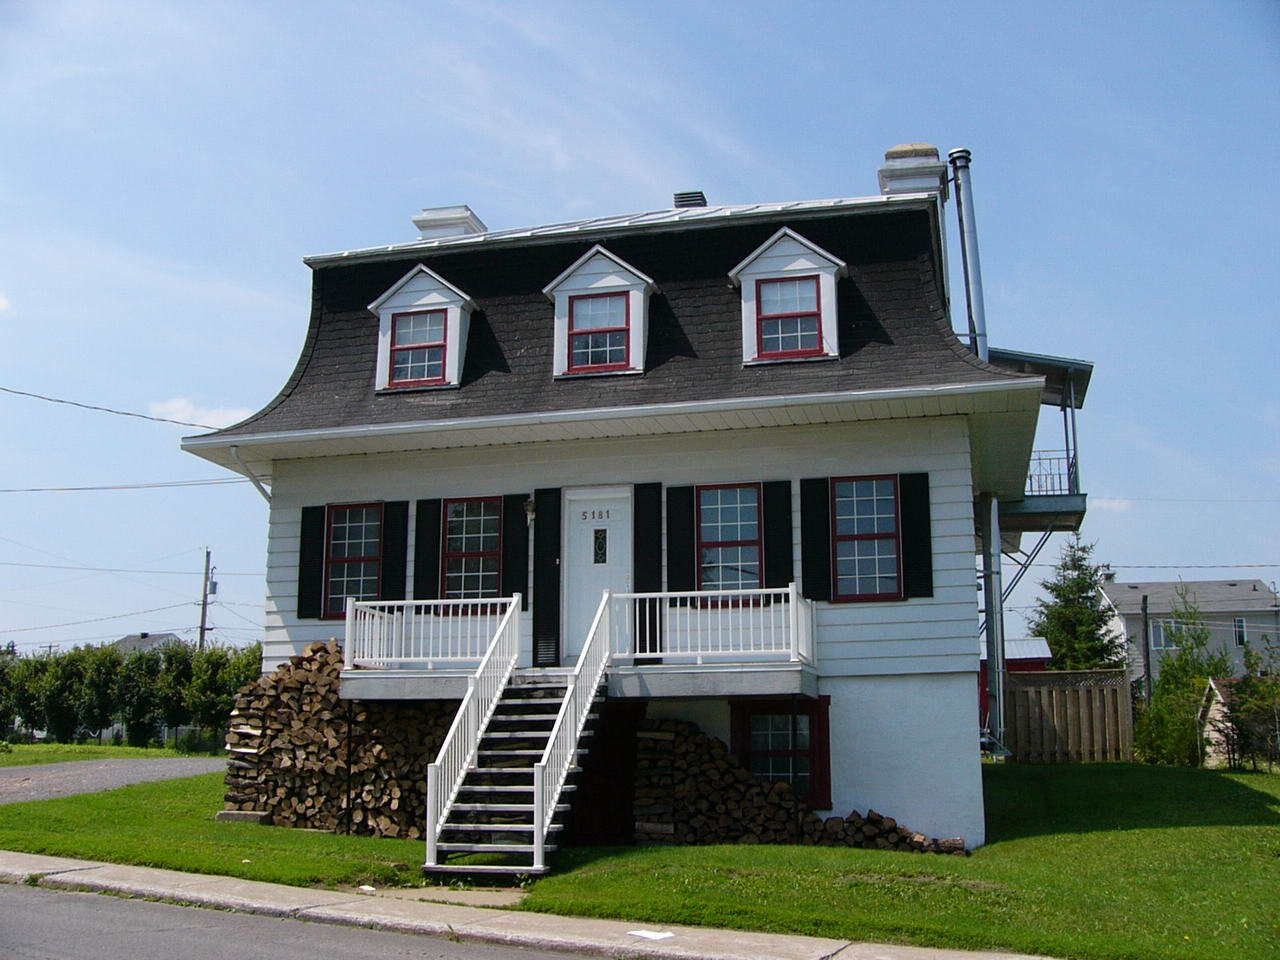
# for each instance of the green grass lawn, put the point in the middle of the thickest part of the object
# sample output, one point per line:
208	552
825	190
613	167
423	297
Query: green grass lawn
1091	861
25	754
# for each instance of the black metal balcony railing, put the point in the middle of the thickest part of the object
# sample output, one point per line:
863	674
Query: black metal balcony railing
1052	472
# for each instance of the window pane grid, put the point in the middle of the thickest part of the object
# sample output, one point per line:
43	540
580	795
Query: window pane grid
417	347
774	755
471	546
598	331
866	549
354	553
729	547
788	316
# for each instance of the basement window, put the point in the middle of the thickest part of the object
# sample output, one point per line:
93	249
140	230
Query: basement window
786	741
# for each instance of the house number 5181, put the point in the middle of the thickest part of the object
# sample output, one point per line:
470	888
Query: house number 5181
595	514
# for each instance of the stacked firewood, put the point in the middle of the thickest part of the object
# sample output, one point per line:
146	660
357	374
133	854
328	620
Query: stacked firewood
309	759
691	790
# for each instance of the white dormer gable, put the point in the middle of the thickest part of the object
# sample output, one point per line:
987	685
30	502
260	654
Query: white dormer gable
423	321
602	315
789	300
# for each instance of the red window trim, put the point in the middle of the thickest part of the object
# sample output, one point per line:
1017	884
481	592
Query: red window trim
329	559
625	328
761	353
446	554
758	543
896	537
443	344
818	710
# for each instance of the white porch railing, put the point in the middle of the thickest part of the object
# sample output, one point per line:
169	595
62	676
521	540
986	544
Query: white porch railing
427	633
550	772
771	624
484	688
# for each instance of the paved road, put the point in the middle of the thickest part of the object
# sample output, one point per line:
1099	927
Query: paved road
42	781
39	924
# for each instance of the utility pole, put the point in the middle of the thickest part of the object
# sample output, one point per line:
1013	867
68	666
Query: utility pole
1146	649
204	601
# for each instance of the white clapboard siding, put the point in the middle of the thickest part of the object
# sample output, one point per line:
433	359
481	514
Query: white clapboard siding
919	635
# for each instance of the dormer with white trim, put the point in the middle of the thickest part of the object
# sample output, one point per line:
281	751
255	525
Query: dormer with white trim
602	316
423	322
789	300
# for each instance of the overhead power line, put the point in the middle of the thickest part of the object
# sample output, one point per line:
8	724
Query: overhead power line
131	486
76	623
183	573
119	413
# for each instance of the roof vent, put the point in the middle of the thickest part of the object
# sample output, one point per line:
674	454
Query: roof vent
689	198
456	221
913	168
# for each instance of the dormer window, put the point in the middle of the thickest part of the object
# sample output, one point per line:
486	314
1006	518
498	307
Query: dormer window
423	322
417	348
599	332
788	300
601	316
788	321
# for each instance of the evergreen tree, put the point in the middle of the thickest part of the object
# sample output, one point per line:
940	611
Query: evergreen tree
1073	619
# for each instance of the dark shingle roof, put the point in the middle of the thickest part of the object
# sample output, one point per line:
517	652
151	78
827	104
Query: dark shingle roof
894	330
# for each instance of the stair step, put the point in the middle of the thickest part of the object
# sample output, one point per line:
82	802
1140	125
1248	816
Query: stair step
516	734
534	716
504	807
480	868
498	827
513	769
492	847
508	788
516	753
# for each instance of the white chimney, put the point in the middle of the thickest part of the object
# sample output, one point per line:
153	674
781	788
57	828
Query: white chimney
913	168
456	221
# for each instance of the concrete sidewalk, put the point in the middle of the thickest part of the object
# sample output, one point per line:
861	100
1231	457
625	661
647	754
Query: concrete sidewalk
608	938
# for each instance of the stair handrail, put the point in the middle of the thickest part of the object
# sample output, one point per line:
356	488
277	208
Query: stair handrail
484	688
550	773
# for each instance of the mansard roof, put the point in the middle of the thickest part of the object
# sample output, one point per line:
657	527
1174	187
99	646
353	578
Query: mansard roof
895	332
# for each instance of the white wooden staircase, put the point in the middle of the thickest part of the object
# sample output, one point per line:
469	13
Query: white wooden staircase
498	784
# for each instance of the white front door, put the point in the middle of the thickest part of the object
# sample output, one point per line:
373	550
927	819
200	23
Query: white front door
597	557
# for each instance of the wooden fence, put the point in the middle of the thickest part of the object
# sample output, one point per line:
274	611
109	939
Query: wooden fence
1069	716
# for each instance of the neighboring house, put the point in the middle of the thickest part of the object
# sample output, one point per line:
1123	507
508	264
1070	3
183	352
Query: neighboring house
145	641
1020	656
1235	612
731	459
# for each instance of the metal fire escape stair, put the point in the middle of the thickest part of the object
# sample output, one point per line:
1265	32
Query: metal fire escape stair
493	812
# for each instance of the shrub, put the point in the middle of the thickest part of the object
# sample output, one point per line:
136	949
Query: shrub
1169	728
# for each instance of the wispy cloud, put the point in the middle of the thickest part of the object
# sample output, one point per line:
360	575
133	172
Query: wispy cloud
1111	504
181	408
4	303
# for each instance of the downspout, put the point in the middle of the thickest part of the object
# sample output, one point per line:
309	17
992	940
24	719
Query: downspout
244	467
992	585
959	158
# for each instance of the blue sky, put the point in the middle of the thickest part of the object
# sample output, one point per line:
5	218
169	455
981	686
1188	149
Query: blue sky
166	165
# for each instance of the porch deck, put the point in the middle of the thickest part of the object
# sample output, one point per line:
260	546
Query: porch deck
711	643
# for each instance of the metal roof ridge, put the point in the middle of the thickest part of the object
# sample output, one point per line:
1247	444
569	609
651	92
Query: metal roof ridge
647	218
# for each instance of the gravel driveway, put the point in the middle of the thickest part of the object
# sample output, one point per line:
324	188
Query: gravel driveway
43	781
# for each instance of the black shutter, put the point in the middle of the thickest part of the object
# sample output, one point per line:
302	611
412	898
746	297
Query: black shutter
646	564
815	538
682	542
426	551
917	539
546	577
778	552
311	563
515	548
395	549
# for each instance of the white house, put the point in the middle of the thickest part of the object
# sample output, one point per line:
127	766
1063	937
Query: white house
727	461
